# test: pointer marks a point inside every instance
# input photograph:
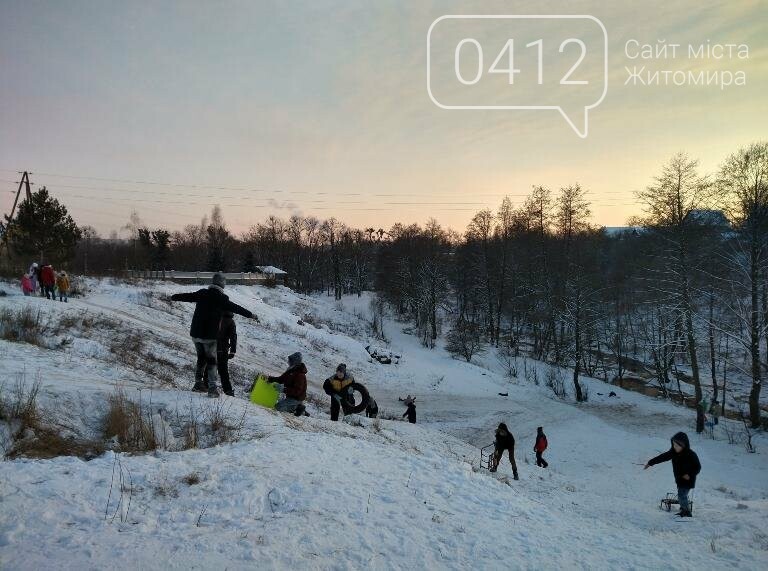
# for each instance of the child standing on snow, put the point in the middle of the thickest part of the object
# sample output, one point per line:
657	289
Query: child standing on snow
48	281
225	349
210	304
62	284
372	410
34	275
26	285
337	387
685	466
540	447
504	441
410	412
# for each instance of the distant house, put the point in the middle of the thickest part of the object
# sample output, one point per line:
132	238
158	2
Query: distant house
262	274
622	231
705	217
272	273
700	217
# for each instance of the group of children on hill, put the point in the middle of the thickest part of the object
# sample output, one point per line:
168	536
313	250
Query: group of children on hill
214	334
45	280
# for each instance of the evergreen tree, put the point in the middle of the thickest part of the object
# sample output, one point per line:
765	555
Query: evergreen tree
43	227
249	263
161	239
218	242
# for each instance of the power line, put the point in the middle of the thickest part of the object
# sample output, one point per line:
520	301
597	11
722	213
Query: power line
93	194
440	205
274	191
272	202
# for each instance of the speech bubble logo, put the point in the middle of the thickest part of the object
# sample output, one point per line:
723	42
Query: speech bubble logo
514	62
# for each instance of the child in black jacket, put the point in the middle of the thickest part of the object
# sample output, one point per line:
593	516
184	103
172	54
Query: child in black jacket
685	466
504	441
210	304
410	412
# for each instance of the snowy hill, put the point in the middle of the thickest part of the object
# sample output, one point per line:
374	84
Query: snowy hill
274	491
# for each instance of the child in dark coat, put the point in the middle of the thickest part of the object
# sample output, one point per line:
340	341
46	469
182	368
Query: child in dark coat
226	347
539	447
210	304
504	441
685	467
372	410
410	412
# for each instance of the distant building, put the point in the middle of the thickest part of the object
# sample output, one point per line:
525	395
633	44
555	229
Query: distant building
272	273
622	231
261	275
701	217
706	217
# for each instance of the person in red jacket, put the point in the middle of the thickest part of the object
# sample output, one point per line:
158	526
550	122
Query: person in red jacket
294	381
48	281
540	447
26	285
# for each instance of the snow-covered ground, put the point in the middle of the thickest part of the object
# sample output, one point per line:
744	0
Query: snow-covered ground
308	493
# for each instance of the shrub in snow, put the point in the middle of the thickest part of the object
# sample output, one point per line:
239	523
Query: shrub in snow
508	359
220	424
125	420
555	381
23	325
531	373
27	430
464	340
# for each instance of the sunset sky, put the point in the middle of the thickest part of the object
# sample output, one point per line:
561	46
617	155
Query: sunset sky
321	108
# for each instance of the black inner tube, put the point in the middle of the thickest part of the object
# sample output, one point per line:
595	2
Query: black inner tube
349	405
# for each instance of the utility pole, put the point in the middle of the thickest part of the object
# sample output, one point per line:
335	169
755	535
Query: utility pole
25	184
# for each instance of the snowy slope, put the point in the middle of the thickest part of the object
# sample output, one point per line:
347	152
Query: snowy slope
308	493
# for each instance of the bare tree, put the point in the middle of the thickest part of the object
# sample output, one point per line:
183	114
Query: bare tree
572	223
744	177
671	206
464	339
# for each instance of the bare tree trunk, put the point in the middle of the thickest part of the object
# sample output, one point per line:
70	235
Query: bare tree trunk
619	342
754	335
712	353
433	314
691	340
577	348
502	282
725	375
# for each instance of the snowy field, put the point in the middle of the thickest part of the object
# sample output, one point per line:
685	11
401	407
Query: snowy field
306	493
